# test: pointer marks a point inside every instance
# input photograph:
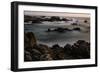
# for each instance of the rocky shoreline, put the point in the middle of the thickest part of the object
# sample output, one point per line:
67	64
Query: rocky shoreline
42	52
39	19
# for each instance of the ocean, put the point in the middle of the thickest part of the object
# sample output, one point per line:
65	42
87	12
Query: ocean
61	38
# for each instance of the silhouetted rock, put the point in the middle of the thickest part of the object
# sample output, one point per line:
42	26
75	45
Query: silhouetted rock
27	18
36	54
27	56
56	46
37	20
58	52
74	24
29	40
68	49
77	28
55	18
58	29
46	52
49	30
64	19
85	21
41	53
81	49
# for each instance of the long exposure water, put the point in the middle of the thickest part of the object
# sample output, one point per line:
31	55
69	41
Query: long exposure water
61	38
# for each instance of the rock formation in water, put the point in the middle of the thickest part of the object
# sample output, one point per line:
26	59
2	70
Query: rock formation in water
63	29
39	19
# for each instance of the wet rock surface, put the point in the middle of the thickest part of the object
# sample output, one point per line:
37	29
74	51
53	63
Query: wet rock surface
41	52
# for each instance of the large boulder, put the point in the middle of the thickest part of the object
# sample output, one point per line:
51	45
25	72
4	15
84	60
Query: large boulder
46	52
81	49
41	52
68	51
29	40
27	56
36	54
58	52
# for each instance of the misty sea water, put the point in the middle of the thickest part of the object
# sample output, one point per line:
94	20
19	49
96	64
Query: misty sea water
61	38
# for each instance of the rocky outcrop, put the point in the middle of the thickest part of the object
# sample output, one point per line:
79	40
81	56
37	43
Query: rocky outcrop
34	51
79	50
46	52
41	52
27	56
29	40
58	52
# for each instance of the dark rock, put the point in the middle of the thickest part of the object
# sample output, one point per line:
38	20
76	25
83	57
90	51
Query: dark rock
48	30
64	19
45	57
27	18
77	28
85	21
58	52
36	54
56	46
59	30
67	49
74	24
27	56
29	40
55	18
81	49
42	52
36	21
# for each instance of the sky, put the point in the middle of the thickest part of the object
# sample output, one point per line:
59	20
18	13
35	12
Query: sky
65	14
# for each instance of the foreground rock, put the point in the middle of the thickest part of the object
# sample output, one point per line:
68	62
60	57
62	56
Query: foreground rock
58	52
45	53
34	51
29	40
41	52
